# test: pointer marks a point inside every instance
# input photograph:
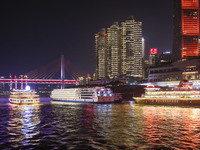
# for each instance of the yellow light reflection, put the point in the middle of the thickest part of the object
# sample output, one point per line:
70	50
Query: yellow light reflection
22	124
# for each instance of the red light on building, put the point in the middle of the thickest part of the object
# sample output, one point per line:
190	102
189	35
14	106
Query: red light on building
190	28
190	4
88	75
153	51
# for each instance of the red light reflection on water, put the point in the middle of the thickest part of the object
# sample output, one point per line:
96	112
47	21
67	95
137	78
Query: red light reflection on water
175	126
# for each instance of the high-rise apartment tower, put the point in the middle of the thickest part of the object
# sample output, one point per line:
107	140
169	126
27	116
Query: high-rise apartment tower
120	51
114	50
132	48
101	54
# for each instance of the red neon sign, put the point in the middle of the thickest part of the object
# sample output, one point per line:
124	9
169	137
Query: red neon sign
153	51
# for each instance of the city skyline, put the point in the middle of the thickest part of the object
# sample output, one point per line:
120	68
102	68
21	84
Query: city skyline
120	50
34	34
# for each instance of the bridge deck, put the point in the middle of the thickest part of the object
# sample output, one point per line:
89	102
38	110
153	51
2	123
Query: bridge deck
38	81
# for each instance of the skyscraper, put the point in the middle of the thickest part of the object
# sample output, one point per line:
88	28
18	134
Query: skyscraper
138	54
114	50
132	49
101	54
186	29
120	52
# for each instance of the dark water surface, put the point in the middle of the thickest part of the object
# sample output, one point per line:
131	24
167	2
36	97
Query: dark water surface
98	126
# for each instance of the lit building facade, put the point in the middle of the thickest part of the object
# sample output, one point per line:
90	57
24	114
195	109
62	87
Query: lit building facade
120	51
101	54
138	66
114	51
153	57
186	29
143	49
190	28
132	48
199	47
143	59
123	46
185	69
165	58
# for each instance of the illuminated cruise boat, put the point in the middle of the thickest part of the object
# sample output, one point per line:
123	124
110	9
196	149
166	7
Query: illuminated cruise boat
26	96
83	95
184	94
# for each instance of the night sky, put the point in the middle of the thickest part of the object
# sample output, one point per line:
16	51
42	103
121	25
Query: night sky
35	33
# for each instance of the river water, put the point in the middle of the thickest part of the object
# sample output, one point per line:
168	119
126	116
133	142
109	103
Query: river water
98	126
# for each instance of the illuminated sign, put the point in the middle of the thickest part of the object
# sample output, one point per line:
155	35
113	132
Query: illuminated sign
153	51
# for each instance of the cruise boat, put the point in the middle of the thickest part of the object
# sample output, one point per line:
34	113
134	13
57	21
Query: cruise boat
184	94
27	96
83	95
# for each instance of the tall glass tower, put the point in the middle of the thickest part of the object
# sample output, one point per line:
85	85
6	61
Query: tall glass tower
186	29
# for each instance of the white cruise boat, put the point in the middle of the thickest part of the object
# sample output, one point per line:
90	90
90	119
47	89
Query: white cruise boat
184	94
83	95
24	97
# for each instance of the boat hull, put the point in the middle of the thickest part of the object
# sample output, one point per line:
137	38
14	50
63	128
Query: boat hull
25	103
83	95
23	97
74	101
168	101
18	102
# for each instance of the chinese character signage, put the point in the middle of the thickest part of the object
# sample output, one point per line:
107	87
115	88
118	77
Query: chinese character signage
153	51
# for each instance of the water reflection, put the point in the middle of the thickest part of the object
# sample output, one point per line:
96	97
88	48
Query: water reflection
99	126
122	130
22	124
171	127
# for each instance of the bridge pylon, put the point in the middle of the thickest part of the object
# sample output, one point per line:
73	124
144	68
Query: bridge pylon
62	71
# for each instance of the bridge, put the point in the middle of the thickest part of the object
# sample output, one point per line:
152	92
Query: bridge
53	73
38	81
